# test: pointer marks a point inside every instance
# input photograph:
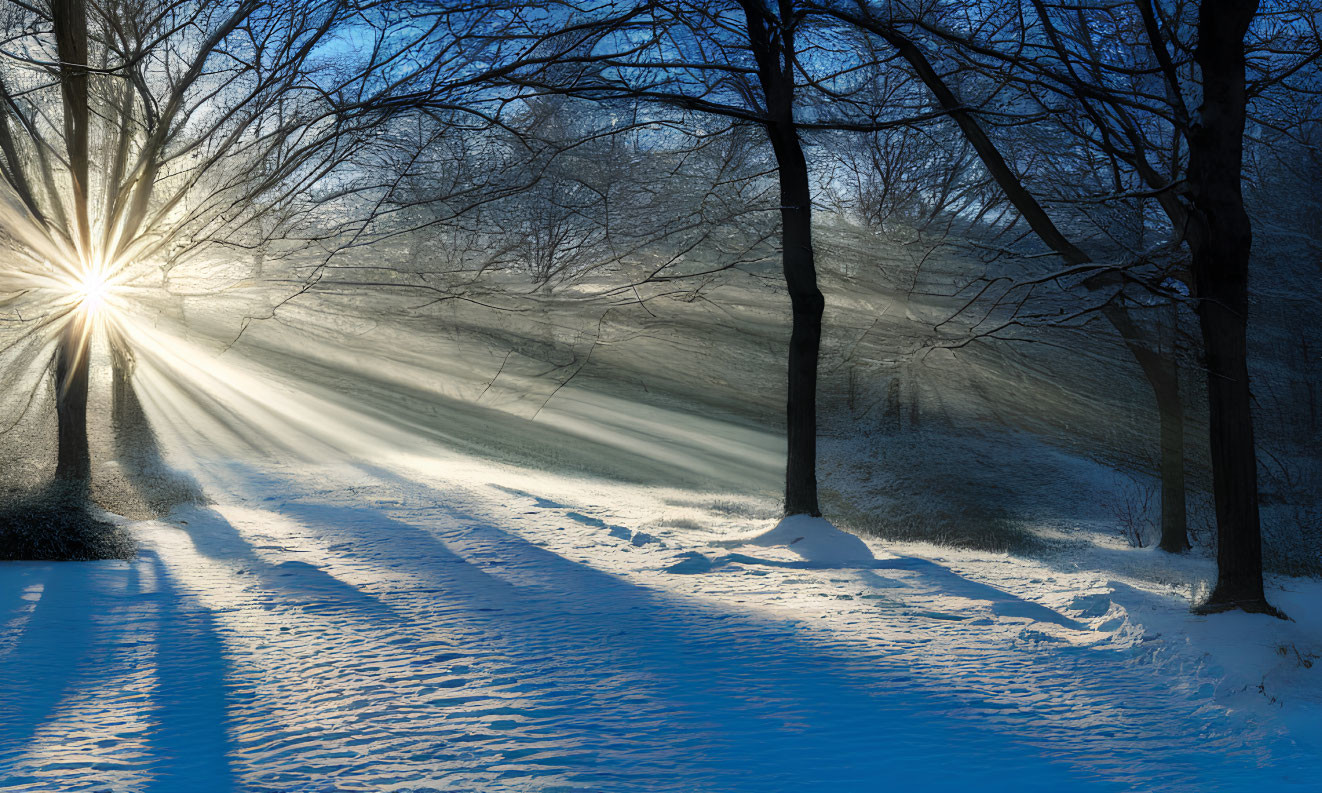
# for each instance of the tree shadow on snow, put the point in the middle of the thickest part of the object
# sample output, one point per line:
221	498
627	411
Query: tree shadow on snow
80	648
1003	604
305	585
647	680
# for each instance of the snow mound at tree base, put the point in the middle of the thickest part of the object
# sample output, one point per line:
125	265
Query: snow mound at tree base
815	539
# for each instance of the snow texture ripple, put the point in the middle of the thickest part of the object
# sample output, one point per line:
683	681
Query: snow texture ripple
371	632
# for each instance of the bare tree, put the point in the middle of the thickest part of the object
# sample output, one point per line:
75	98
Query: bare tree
1118	80
751	62
1159	366
137	136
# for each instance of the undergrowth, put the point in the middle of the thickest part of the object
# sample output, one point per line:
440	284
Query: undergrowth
56	523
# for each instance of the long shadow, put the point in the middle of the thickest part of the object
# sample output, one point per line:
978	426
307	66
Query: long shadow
190	743
648	691
50	659
307	585
165	488
722	706
84	639
15	579
1004	604
583	643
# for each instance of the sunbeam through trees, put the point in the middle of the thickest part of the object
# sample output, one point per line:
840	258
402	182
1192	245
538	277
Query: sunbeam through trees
645	395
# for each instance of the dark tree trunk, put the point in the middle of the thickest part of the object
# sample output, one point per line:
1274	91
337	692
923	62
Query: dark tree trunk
73	463
1163	375
772	44
70	23
771	39
890	418
1234	462
1220	239
807	304
1174	517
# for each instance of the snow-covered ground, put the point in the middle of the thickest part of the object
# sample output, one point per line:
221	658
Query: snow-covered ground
377	596
445	624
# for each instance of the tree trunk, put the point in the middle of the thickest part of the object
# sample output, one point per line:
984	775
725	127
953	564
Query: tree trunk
771	39
69	18
126	417
1221	239
1221	313
807	304
73	462
890	418
1174	518
1163	375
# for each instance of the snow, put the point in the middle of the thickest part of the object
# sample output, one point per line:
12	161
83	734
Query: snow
418	624
815	539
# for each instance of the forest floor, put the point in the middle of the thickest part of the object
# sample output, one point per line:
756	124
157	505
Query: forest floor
448	624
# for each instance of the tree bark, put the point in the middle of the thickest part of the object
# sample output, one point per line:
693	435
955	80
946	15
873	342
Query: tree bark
73	462
771	40
1221	313
807	305
1220	239
1174	515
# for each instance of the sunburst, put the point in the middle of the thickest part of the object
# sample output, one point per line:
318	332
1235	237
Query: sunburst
93	292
